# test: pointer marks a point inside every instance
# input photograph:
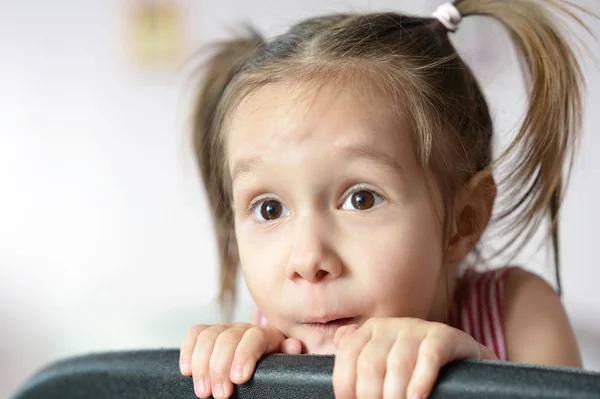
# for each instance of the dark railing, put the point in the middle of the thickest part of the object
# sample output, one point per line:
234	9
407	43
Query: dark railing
155	374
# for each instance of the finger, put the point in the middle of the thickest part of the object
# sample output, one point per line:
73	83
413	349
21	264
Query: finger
342	333
400	365
221	359
205	343
439	347
486	353
187	349
344	368
255	342
371	368
291	346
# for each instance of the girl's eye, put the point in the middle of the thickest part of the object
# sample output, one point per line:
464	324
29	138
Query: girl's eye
269	210
362	200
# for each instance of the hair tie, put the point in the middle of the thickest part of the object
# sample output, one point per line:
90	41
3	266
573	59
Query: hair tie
448	15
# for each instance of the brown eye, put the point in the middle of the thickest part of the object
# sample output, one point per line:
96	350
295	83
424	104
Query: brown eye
270	210
362	200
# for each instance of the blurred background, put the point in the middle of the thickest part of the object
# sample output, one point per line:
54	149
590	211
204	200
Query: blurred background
105	238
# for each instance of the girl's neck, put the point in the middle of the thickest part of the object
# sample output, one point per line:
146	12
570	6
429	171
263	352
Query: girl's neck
442	307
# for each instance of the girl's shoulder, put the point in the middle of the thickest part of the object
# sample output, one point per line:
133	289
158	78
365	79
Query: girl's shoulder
517	314
537	327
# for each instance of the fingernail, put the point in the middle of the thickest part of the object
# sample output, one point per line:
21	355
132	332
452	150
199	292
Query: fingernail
185	366
218	390
417	396
238	371
200	387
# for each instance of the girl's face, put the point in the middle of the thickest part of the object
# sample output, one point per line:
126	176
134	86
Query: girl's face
333	218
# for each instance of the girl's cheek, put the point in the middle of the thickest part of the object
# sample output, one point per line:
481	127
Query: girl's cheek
262	265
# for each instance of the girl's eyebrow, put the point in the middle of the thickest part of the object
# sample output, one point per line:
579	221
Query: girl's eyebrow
245	165
349	153
371	154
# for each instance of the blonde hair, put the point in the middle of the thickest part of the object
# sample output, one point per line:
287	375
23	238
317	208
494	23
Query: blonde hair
412	59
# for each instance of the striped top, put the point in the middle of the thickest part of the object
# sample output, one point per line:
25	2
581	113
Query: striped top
478	308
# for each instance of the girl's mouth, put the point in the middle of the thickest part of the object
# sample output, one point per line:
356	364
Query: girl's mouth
331	326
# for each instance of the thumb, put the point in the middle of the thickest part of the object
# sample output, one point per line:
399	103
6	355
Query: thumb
291	346
343	332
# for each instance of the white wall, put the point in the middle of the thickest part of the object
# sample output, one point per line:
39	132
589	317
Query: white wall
105	241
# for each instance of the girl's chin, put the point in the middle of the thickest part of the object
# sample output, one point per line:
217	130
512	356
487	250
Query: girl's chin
324	348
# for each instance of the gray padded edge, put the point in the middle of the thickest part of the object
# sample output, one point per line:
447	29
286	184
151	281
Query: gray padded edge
155	374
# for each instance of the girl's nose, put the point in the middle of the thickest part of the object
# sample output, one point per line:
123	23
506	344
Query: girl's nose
312	258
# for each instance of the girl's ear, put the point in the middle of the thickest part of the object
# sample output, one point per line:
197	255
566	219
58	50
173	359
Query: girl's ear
472	212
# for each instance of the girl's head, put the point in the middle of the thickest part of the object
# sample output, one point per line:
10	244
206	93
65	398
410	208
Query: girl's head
348	161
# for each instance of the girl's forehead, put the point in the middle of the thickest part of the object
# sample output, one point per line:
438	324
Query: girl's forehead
280	116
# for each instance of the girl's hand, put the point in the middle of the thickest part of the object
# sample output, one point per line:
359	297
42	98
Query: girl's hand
219	356
397	357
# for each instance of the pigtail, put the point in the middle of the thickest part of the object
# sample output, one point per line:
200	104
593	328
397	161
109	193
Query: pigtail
218	71
550	132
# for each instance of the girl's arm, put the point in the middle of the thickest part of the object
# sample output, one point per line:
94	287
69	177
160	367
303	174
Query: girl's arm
537	328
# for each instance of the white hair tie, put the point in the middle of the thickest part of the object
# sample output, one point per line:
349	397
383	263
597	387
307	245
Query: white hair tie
448	15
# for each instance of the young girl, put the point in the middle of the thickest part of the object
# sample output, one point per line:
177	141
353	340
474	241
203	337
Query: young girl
349	165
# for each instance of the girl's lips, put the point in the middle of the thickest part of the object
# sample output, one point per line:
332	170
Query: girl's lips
330	327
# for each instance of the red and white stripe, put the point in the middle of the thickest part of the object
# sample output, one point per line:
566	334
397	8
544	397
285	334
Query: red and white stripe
479	311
